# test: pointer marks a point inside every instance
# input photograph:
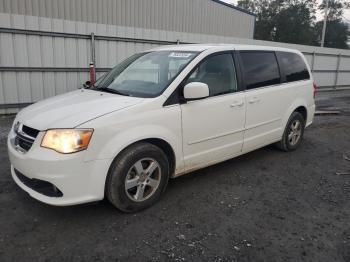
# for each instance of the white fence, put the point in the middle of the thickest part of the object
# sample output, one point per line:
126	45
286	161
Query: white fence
41	57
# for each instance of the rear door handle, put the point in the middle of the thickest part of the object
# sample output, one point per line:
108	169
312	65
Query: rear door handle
254	100
237	104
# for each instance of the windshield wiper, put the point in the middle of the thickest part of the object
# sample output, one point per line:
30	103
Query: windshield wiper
110	90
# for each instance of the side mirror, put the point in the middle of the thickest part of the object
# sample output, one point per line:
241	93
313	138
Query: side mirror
196	90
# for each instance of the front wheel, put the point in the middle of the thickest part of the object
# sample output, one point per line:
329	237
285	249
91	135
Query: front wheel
293	133
137	177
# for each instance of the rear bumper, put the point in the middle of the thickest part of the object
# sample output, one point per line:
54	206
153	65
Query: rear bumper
79	181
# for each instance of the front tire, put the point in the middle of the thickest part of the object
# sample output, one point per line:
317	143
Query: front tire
137	177
293	133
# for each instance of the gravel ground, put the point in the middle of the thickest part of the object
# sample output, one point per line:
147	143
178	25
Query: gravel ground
264	206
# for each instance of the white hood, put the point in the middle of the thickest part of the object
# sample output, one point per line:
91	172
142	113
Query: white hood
72	109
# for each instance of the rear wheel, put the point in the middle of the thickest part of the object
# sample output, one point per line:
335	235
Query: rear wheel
293	133
137	177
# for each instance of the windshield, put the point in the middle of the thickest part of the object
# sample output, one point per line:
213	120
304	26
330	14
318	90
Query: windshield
145	74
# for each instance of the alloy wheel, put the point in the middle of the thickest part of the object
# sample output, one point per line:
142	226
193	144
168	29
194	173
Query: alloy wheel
294	132
143	179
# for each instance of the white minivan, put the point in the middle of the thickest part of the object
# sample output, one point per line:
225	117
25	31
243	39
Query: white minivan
160	114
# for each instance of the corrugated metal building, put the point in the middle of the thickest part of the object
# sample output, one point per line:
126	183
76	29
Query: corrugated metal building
191	16
46	45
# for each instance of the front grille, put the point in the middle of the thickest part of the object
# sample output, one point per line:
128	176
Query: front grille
23	142
30	131
40	186
25	137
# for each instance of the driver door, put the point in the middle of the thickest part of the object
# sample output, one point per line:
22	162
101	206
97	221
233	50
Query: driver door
213	127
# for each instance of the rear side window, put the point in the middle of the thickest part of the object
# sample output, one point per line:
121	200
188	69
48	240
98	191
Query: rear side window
260	69
293	66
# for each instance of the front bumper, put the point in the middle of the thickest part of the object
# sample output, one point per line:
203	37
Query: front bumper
79	181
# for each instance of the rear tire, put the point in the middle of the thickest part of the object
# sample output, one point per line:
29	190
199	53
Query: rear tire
293	133
137	177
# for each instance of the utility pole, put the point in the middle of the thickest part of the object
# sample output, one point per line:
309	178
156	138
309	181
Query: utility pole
324	23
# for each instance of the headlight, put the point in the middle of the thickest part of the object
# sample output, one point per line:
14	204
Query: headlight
67	140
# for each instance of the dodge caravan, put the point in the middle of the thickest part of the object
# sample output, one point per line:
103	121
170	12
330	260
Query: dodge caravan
156	115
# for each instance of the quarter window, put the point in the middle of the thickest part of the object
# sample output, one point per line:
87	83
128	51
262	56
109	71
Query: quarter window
260	69
218	72
293	66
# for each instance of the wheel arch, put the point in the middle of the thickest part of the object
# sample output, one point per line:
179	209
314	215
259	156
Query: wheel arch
158	142
303	111
299	105
165	147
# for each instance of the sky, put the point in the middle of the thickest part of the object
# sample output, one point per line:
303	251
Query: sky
319	15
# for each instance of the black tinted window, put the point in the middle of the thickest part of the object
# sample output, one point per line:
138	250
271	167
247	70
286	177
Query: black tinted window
260	69
293	66
218	72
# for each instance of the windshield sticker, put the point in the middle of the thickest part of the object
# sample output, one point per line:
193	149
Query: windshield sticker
180	55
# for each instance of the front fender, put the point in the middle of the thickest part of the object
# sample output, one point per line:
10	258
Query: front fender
130	136
114	132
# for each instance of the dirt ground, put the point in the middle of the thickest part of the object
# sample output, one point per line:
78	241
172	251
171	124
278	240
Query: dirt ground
263	206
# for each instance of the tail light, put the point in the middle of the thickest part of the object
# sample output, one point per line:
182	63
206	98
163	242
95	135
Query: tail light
315	89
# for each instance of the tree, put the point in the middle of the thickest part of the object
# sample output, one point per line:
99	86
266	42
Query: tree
283	20
294	21
337	32
335	8
266	11
294	24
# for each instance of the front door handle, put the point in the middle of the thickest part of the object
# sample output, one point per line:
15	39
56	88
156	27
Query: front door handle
254	100
237	104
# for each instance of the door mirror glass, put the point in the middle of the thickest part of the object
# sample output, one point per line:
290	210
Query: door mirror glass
196	90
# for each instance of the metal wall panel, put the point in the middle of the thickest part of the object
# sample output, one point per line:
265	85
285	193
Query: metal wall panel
345	64
50	55
325	62
326	79
343	79
193	16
